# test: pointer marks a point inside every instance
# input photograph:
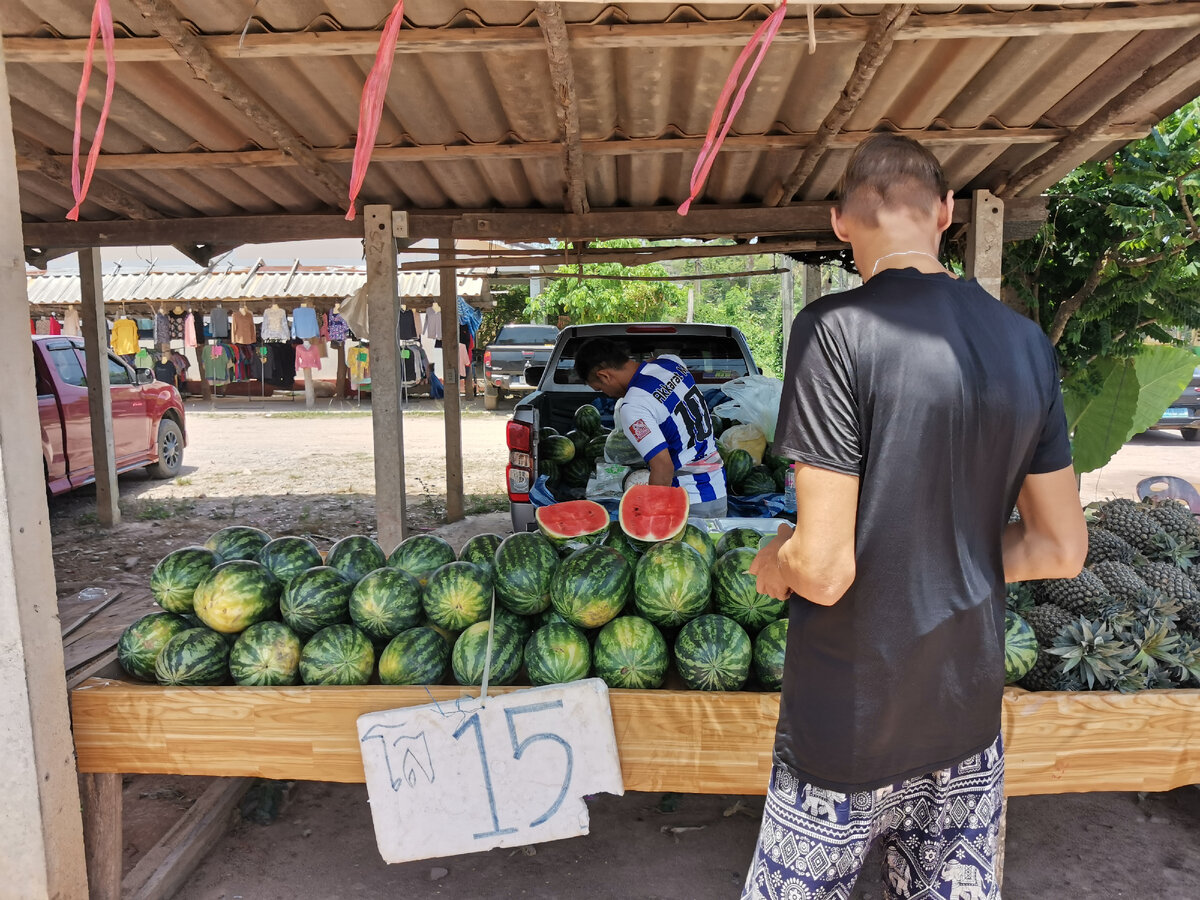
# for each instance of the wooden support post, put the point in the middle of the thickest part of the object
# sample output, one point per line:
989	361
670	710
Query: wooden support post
985	241
387	419
95	351
342	372
448	300
562	77
310	395
41	830
100	794
788	305
812	283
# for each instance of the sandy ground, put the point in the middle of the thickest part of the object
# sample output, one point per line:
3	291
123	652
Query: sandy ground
291	472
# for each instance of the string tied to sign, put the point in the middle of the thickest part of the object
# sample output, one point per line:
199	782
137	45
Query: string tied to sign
102	24
370	107
722	120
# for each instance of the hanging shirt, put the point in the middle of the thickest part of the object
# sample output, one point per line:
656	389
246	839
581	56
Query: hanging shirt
275	325
175	326
162	330
338	329
406	329
433	324
166	372
304	323
125	337
189	331
41	326
71	322
324	318
218	322
143	360
243	327
307	357
216	363
359	361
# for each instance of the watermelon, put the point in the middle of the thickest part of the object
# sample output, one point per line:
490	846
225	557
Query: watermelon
470	655
265	654
581	441
175	578
735	538
595	449
557	654
650	513
736	595
587	421
1020	647
780	476
591	586
549	617
713	653
614	537
671	583
141	642
737	466
481	550
583	521
759	481
523	626
630	653
385	603
415	656
525	563
556	448
769	650
355	556
578	471
550	469
339	654
195	656
315	599
235	595
421	555
698	540
635	477
546	431
458	594
237	542
619	450
289	556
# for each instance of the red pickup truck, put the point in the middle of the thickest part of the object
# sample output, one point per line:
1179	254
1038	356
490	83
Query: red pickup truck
148	421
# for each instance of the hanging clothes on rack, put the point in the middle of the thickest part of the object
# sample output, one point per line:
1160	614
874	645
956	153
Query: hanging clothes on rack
143	359
217	364
189	331
406	328
305	325
218	322
359	362
125	337
175	324
165	371
243	327
433	324
275	325
307	358
162	330
338	329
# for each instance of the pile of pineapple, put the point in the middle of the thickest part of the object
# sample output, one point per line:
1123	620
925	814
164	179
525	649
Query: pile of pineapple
1130	620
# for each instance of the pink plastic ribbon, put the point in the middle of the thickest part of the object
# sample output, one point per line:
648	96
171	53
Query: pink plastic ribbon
764	35
102	22
370	108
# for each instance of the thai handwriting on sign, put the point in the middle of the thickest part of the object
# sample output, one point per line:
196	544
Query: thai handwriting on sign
696	418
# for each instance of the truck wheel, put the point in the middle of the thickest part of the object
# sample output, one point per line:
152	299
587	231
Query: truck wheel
491	399
170	451
1190	434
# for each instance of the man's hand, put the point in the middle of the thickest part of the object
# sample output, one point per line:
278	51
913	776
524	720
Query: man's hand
770	580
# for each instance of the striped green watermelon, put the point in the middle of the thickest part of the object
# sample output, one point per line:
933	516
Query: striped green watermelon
525	564
592	586
671	583
770	647
1020	647
713	653
556	448
577	472
587	420
197	656
265	654
470	655
759	481
550	469
549	617
595	449
315	599
415	656
237	542
630	653
616	539
235	595
386	602
421	555
581	441
523	626
458	594
355	556
698	540
175	578
289	556
619	450
141	642
736	538
481	550
557	654
339	654
735	594
546	431
738	464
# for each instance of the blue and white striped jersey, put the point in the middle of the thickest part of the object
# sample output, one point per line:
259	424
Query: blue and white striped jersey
664	410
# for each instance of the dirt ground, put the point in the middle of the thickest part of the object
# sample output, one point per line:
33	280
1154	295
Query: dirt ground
289	471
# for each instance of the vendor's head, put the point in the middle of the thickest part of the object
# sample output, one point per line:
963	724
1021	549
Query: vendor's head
604	366
892	198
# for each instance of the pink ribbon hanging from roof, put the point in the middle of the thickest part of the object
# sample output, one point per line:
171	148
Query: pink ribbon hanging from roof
763	36
370	108
102	22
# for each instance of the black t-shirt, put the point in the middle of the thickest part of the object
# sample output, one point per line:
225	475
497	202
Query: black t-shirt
941	400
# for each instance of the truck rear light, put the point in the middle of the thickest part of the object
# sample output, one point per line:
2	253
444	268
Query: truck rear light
520	460
519	482
519	436
487	359
650	329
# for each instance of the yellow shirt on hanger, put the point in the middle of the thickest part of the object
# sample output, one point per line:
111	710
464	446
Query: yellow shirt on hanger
125	337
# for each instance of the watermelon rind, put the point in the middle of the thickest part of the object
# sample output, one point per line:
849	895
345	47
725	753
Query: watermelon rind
615	538
266	654
588	420
177	575
759	481
671	584
235	595
315	599
416	656
140	643
525	565
735	592
619	450
1020	647
549	617
713	653
458	594
237	542
698	540
523	626
287	557
355	557
194	657
386	602
421	555
557	654
770	648
650	513
470	655
735	538
592	586
579	521
339	654
630	653
481	550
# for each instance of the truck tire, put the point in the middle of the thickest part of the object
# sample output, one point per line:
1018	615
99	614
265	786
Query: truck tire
1190	434
491	399
170	451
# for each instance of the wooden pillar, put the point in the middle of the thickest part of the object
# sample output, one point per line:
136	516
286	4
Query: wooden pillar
448	300
985	241
788	303
95	351
812	283
387	419
41	829
342	372
103	838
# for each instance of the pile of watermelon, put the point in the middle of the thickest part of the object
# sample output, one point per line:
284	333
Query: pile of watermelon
745	479
568	460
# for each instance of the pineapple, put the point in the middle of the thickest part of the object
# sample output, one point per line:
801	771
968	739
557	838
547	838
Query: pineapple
1189	619
1120	580
1153	645
1177	520
1047	620
1045	675
1129	521
1103	546
1095	654
1168	549
1019	597
1078	595
1186	669
1171	580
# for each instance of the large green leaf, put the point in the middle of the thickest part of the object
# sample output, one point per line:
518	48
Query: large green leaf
1100	407
1162	374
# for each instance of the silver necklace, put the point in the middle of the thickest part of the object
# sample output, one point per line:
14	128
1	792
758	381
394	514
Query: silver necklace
903	253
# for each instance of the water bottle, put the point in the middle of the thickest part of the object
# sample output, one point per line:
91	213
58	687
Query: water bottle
789	490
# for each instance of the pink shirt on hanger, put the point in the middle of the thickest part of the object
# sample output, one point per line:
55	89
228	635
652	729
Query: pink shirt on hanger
308	357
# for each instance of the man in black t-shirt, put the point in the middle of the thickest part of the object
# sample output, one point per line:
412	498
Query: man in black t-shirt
919	411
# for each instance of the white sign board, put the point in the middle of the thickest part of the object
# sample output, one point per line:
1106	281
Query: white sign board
463	776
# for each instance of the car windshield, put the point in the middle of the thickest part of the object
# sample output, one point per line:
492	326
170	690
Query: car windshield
526	334
712	359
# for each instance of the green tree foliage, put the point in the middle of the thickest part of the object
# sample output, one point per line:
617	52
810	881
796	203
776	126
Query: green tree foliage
750	303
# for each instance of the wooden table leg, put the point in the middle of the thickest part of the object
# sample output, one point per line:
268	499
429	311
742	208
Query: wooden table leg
102	833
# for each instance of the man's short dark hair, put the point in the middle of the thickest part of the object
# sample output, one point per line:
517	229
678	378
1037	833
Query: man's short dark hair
599	353
890	170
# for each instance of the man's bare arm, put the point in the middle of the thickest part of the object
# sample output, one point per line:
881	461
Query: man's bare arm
662	470
1051	540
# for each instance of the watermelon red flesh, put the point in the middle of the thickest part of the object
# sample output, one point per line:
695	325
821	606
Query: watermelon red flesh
572	520
650	513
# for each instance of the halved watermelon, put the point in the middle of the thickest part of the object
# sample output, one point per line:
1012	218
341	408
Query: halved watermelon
582	521
650	513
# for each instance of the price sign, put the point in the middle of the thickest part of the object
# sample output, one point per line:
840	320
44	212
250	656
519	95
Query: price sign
468	775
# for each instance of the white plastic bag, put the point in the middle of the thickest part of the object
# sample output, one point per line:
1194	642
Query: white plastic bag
744	437
607	482
753	400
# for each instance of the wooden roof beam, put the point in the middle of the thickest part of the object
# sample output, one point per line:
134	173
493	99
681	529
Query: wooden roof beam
872	55
562	77
161	15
